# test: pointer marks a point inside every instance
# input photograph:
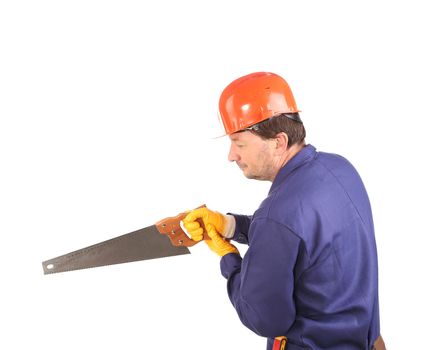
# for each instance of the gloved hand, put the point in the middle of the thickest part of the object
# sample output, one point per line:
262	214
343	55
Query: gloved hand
217	243
209	217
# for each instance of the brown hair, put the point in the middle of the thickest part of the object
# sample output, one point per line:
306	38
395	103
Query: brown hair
289	123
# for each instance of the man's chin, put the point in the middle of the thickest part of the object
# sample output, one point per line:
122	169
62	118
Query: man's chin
251	176
254	176
246	173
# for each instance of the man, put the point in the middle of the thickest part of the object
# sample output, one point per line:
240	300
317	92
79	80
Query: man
309	277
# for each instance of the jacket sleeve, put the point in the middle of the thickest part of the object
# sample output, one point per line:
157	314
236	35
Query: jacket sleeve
260	286
242	227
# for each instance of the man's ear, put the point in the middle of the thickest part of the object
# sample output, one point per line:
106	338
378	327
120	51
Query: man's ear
281	142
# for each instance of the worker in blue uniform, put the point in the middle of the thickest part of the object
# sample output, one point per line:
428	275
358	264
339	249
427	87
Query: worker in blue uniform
309	279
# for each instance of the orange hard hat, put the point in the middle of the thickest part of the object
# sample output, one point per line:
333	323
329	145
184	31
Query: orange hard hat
253	98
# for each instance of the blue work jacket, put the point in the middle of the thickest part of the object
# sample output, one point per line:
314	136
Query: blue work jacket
310	272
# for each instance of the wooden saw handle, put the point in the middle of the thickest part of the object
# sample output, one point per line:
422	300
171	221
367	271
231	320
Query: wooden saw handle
171	227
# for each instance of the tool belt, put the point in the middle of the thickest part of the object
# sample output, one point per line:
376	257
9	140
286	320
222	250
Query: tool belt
280	343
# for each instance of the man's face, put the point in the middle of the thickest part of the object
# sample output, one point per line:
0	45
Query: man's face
253	155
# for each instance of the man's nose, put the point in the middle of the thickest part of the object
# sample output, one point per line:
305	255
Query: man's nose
232	155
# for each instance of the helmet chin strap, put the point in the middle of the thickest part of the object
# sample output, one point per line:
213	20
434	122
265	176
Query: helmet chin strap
292	116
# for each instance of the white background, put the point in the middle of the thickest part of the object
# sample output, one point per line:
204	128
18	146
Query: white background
108	112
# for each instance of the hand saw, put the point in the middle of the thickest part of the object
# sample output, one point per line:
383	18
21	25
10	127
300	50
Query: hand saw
165	238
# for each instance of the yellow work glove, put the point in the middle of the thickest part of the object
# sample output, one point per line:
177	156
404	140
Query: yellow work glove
208	217
219	244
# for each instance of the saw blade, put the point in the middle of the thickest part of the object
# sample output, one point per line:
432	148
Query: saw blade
143	244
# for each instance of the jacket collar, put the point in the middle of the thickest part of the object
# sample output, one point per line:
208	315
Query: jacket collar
305	154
